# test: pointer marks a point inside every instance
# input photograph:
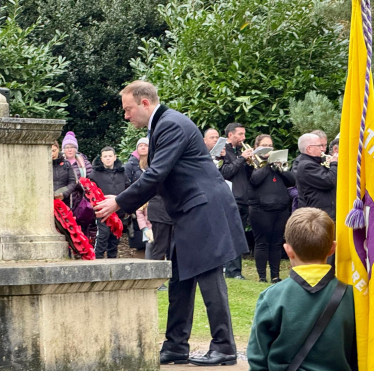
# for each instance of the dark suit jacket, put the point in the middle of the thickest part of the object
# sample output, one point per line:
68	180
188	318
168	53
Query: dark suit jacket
207	228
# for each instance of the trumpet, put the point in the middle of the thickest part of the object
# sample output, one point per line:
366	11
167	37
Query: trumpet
254	160
327	161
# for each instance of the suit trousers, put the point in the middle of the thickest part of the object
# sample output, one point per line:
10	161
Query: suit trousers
181	307
234	267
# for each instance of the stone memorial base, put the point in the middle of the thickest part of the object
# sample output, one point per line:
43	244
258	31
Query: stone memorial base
33	247
80	315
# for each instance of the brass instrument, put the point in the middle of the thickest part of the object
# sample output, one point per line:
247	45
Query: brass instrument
280	166
218	163
254	160
278	160
327	158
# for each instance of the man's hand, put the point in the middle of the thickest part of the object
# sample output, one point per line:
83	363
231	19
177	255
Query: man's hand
105	208
223	152
247	153
334	158
59	197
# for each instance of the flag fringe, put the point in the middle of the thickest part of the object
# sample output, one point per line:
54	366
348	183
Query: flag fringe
356	217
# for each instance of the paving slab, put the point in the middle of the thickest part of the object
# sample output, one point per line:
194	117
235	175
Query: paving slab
240	366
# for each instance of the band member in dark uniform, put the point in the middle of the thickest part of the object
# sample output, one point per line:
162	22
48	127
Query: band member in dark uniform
269	211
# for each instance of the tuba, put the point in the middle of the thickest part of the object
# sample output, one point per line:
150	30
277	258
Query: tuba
256	161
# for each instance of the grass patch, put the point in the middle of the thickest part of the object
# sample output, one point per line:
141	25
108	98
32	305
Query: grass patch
243	296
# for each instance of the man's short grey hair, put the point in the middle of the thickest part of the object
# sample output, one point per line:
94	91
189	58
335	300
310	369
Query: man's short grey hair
305	140
319	133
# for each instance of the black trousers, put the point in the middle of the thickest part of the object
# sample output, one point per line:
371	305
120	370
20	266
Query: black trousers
268	230
181	307
234	267
162	240
105	241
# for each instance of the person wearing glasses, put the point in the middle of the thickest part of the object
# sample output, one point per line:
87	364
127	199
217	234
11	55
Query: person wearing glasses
323	136
269	210
293	190
81	208
315	182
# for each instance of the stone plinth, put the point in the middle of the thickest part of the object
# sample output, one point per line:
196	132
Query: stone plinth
27	229
80	315
56	314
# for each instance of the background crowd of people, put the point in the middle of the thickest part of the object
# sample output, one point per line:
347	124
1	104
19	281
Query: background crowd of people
265	194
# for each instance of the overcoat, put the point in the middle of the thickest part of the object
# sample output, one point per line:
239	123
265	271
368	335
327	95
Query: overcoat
208	231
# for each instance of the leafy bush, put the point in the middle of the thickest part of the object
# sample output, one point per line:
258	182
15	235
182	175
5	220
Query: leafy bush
242	60
30	70
102	37
316	111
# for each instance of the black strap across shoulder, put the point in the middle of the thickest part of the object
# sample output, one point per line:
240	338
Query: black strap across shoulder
319	327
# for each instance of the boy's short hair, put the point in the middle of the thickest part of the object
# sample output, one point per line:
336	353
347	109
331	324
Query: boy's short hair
310	233
107	148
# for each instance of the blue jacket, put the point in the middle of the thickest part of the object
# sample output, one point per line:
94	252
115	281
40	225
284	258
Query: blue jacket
207	227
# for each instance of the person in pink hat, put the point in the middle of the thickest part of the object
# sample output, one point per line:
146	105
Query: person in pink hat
82	168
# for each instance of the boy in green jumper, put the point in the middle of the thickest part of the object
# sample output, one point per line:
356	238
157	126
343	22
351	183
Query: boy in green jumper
287	311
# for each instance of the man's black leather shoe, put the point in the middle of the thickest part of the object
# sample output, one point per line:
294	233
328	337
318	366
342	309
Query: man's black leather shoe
214	358
166	357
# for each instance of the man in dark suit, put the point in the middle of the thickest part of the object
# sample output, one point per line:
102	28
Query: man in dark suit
207	226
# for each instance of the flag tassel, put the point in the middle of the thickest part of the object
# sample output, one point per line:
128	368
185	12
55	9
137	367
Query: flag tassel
356	217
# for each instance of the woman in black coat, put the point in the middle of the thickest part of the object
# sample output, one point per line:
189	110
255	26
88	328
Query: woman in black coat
269	211
63	176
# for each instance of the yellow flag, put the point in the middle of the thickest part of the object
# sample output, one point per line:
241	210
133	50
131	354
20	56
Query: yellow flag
355	250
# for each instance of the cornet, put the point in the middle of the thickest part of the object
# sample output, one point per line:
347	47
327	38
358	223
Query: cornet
327	161
254	160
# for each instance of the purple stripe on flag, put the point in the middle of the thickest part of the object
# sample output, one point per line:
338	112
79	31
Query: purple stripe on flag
370	230
359	235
